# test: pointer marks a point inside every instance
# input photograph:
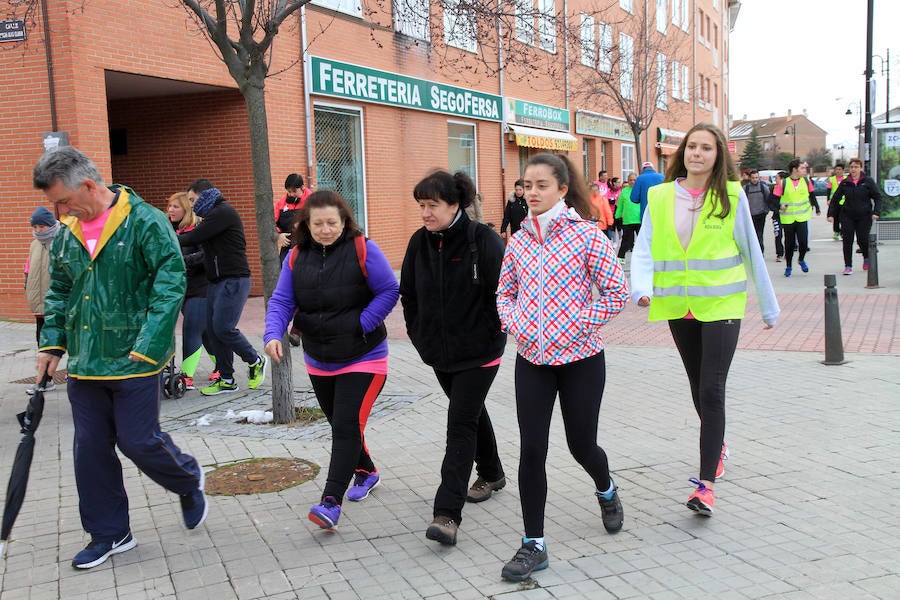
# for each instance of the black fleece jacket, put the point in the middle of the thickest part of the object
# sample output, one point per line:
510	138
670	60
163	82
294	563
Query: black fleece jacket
856	199
221	233
452	320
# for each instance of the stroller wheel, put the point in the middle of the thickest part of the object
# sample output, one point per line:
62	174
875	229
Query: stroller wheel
166	387
180	386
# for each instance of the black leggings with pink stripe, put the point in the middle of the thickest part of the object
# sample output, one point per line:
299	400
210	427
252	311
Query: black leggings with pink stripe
347	400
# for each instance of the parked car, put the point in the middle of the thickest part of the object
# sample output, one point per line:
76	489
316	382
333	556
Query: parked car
821	185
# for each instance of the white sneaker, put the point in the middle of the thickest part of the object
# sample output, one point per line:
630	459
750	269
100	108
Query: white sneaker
49	388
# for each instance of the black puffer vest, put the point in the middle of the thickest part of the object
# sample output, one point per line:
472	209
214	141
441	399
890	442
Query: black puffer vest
331	292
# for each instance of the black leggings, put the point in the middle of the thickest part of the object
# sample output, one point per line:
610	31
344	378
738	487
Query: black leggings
859	226
706	350
470	438
795	232
580	385
347	400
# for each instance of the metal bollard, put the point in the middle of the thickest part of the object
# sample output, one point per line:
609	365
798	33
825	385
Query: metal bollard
834	344
872	277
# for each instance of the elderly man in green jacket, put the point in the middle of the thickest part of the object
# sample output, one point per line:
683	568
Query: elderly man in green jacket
116	285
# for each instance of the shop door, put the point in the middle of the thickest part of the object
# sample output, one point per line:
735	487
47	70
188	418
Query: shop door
339	156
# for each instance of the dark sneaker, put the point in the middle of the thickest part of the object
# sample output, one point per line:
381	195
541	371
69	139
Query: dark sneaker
363	483
257	373
803	266
326	513
787	271
194	506
442	529
611	510
481	490
97	552
219	386
527	560
701	501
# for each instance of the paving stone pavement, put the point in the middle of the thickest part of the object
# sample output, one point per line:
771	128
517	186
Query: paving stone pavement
808	506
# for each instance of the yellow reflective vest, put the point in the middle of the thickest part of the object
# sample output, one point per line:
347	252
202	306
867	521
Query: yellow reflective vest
796	200
834	185
708	278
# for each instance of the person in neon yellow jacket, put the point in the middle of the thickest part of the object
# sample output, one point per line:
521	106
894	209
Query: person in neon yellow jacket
690	265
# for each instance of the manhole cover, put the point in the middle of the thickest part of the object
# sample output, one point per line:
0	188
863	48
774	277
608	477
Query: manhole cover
259	476
58	378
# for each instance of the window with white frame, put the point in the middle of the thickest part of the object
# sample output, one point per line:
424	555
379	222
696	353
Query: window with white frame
547	31
676	80
626	66
588	49
459	26
350	7
661	83
411	17
676	12
627	5
685	15
628	162
685	83
662	19
604	61
525	22
461	148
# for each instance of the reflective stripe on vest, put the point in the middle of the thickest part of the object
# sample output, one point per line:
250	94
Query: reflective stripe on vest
708	278
796	199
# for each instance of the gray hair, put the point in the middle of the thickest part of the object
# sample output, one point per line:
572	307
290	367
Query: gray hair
67	164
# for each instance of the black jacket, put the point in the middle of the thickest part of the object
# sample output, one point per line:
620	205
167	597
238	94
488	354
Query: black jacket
331	292
452	320
856	199
514	213
221	233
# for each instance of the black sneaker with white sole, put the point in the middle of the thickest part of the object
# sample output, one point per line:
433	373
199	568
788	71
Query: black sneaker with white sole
98	551
527	560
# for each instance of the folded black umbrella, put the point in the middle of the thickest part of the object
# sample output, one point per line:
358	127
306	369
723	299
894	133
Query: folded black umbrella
18	478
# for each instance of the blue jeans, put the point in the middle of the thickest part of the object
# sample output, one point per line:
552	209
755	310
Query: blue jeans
226	299
193	328
123	412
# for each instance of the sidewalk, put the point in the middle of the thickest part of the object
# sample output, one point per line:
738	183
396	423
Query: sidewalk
807	507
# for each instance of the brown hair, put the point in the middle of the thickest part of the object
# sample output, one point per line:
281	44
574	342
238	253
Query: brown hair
855	160
578	196
324	199
190	218
723	170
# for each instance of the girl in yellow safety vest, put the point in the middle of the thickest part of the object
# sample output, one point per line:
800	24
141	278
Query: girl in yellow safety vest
690	264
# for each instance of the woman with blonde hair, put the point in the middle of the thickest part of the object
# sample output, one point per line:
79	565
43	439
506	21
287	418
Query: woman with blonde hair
193	311
690	265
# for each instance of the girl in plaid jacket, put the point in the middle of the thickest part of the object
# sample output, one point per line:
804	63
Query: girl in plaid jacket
545	301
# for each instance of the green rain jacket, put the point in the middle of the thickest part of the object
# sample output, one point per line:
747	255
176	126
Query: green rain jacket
125	299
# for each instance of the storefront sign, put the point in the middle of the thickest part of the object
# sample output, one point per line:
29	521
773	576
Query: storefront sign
520	112
12	30
544	139
597	125
333	78
669	136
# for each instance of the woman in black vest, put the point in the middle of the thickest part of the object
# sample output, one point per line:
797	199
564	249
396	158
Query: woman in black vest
341	288
447	286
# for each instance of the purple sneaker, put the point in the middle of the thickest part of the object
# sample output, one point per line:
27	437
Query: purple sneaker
326	514
363	483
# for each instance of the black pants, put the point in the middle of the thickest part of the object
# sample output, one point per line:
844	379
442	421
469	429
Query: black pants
707	349
470	438
859	226
580	385
795	233
628	234
38	325
759	224
347	400
836	220
779	235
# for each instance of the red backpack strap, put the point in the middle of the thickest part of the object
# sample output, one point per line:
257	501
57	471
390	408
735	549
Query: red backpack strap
360	243
295	251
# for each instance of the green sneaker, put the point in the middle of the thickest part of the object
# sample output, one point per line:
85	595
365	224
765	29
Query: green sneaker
257	373
219	386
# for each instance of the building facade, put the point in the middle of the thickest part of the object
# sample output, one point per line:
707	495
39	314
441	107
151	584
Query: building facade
364	97
793	134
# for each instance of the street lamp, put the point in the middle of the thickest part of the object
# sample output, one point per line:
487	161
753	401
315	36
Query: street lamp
792	131
886	71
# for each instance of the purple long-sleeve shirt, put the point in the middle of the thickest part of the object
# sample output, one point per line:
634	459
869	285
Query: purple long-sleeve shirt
381	281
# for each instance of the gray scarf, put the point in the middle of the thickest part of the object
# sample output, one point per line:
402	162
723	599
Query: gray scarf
46	236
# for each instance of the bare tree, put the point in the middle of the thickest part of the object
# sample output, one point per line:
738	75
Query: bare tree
627	67
242	34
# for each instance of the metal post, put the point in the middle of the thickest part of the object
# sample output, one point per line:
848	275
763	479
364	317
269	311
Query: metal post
867	135
834	344
872	273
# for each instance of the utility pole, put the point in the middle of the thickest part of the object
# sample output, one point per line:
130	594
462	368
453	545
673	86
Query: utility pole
867	156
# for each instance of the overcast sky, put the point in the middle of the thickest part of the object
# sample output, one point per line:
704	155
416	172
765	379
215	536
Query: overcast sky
803	54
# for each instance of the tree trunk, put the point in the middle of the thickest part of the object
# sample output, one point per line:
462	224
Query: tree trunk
253	92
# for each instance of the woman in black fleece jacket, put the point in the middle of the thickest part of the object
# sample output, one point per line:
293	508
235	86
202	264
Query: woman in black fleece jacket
860	204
